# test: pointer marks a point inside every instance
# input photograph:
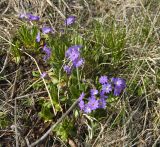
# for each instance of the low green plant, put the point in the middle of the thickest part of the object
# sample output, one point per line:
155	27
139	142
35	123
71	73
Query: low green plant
74	61
66	129
4	120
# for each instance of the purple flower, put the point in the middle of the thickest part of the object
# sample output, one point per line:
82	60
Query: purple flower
87	109
117	91
70	20
93	92
102	94
73	52
93	103
38	37
74	48
119	82
81	105
81	102
33	17
78	62
67	69
74	56
103	79
107	88
43	74
22	15
81	96
47	51
102	103
46	30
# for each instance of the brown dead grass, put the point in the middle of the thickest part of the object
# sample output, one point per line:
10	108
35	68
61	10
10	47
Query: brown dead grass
141	119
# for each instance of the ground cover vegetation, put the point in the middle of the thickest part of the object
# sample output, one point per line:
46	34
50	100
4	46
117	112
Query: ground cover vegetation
80	73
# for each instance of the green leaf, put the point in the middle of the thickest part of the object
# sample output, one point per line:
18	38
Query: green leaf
35	73
45	112
65	129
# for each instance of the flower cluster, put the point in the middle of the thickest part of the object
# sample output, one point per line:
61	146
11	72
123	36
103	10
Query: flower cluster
29	16
115	84
73	56
46	30
97	98
92	104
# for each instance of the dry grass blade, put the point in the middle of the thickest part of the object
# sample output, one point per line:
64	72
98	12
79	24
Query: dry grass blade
15	109
51	4
130	120
43	82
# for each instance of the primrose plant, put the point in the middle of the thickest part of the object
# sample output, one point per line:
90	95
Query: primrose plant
64	54
97	99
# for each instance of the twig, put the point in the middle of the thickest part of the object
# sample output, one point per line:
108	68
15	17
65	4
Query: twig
102	129
27	141
71	143
54	125
30	86
51	4
155	143
146	114
32	94
5	62
15	109
118	140
9	3
66	5
7	41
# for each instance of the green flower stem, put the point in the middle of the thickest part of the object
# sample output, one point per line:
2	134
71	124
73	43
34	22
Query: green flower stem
78	78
